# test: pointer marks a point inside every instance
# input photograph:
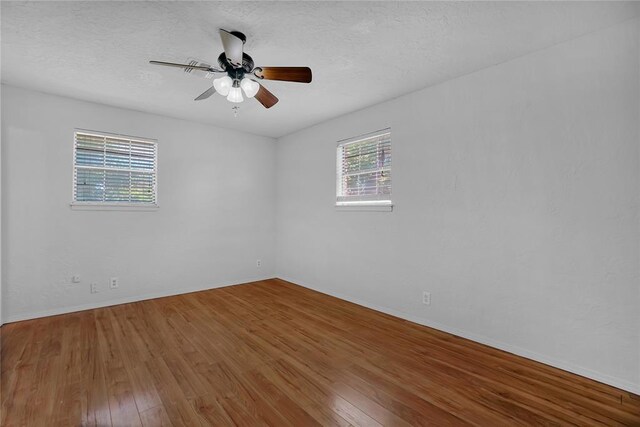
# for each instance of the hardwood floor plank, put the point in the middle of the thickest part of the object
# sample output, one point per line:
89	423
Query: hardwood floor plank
274	353
122	405
374	409
155	417
67	393
40	400
401	403
18	337
133	359
238	414
178	408
289	410
210	412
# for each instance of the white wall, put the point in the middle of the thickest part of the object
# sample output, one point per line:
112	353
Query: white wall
516	192
638	70
1	222
216	216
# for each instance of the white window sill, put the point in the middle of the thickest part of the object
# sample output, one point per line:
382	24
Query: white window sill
364	206
112	207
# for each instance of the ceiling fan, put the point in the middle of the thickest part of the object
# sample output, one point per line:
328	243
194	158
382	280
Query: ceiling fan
240	75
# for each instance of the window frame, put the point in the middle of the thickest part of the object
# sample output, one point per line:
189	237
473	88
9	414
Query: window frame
374	203
111	205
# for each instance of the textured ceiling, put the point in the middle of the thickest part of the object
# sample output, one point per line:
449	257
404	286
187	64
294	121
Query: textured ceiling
361	53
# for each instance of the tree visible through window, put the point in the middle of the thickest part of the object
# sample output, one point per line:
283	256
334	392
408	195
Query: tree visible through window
364	169
114	170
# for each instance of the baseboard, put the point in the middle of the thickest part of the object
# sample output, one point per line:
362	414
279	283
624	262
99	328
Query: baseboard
90	306
518	351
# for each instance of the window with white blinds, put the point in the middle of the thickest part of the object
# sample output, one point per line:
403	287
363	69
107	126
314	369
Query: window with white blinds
114	170
364	169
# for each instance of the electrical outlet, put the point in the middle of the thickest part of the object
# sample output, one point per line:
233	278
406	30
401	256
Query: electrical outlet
258	263
426	298
75	279
113	283
94	288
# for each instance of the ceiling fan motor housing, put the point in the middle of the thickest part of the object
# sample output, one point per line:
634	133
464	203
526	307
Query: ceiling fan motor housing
236	73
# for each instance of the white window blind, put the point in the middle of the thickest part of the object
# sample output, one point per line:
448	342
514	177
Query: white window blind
114	170
364	169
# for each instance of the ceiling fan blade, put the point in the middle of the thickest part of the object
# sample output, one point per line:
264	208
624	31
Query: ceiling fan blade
232	48
287	74
207	93
266	98
185	66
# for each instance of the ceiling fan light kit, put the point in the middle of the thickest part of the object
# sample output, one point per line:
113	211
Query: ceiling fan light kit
235	95
222	85
249	87
240	73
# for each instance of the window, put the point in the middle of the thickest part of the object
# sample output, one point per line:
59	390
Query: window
364	170
114	170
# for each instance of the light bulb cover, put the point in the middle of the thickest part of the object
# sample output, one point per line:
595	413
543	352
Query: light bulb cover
250	87
235	95
223	85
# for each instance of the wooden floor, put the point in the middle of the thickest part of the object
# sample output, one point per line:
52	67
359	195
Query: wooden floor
272	353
